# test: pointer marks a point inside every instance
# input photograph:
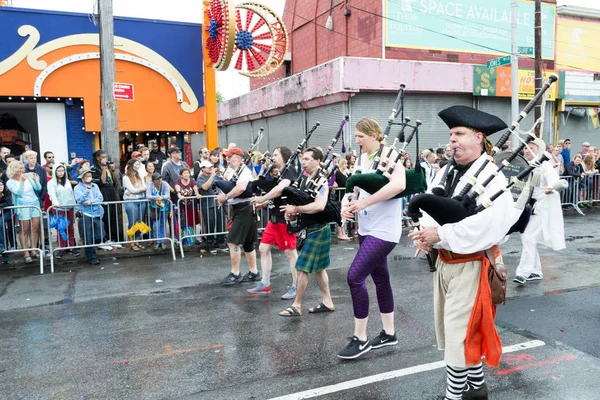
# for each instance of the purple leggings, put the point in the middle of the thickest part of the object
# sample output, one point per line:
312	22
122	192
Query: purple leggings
371	259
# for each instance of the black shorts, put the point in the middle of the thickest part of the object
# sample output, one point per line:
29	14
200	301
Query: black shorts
243	228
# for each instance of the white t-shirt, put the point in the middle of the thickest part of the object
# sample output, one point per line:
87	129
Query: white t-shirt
245	176
384	219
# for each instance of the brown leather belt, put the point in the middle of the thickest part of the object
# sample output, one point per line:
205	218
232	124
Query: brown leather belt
450	255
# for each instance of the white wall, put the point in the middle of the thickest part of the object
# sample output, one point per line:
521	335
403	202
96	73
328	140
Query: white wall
52	129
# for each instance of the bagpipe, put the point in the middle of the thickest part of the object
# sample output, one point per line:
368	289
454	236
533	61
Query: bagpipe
371	182
446	210
305	190
261	184
227	185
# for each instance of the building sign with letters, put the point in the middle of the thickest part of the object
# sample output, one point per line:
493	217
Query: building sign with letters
468	26
123	91
496	82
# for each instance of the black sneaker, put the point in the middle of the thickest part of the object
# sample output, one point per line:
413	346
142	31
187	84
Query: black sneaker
59	254
252	277
94	261
75	253
382	340
470	393
231	279
355	348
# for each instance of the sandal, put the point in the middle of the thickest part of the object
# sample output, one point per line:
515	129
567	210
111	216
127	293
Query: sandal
155	247
28	260
135	248
290	312
164	246
139	245
320	308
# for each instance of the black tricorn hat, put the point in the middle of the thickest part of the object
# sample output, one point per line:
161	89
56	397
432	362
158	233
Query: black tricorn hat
469	117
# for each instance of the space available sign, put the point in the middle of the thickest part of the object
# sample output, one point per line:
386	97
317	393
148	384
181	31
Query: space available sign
471	26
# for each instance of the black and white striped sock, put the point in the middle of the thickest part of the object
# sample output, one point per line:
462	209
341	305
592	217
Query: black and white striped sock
475	376
455	382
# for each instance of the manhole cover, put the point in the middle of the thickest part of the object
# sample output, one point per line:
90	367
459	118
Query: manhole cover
590	250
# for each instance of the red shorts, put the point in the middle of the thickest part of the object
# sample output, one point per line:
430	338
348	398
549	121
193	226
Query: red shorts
278	234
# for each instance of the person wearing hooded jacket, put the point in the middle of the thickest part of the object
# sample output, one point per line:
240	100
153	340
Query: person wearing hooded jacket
62	198
113	215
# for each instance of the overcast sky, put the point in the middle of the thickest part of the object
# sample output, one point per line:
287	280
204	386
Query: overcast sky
230	84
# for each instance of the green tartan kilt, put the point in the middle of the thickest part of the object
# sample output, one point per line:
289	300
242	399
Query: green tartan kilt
314	254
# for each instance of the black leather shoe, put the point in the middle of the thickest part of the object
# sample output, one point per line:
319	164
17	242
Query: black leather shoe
470	393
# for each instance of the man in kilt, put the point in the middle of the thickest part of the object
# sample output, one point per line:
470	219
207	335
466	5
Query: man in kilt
314	251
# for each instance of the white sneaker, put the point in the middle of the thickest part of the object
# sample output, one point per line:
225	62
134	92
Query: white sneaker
115	245
105	247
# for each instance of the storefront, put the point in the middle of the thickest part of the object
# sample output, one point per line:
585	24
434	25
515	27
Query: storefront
50	82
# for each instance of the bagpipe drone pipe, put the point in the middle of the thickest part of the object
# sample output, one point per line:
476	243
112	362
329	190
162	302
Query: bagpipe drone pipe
305	190
450	210
371	182
264	185
227	186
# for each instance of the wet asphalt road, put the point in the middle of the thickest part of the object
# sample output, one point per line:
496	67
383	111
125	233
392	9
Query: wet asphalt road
150	328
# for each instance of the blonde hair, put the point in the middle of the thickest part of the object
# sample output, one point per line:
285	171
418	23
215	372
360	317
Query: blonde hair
29	153
342	164
370	127
12	168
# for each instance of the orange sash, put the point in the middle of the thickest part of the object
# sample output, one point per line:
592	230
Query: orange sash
482	338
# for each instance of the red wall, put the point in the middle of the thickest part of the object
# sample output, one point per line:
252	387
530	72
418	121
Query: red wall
357	35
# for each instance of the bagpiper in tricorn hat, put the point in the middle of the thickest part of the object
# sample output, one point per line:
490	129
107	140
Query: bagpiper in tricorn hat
476	120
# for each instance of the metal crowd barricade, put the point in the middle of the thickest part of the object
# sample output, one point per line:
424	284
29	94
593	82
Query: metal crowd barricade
588	189
15	232
75	229
570	196
201	218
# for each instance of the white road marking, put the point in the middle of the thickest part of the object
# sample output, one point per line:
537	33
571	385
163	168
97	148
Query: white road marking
308	394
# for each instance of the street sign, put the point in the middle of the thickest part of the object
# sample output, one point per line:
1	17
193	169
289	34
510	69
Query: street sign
525	51
497	62
123	91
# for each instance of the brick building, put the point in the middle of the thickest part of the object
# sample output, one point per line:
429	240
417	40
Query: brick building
349	57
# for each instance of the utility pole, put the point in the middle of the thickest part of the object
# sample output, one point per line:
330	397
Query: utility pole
108	106
538	62
514	61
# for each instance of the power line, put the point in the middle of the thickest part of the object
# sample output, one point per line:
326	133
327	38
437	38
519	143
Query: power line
568	66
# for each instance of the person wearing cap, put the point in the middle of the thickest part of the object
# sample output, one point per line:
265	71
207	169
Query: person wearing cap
204	156
141	165
105	179
546	222
157	157
243	231
211	214
171	170
88	195
463	310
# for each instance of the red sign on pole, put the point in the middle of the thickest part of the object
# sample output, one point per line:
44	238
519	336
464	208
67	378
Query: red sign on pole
123	91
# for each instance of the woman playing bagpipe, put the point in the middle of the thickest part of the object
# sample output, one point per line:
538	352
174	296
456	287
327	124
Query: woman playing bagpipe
378	234
464	313
276	231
